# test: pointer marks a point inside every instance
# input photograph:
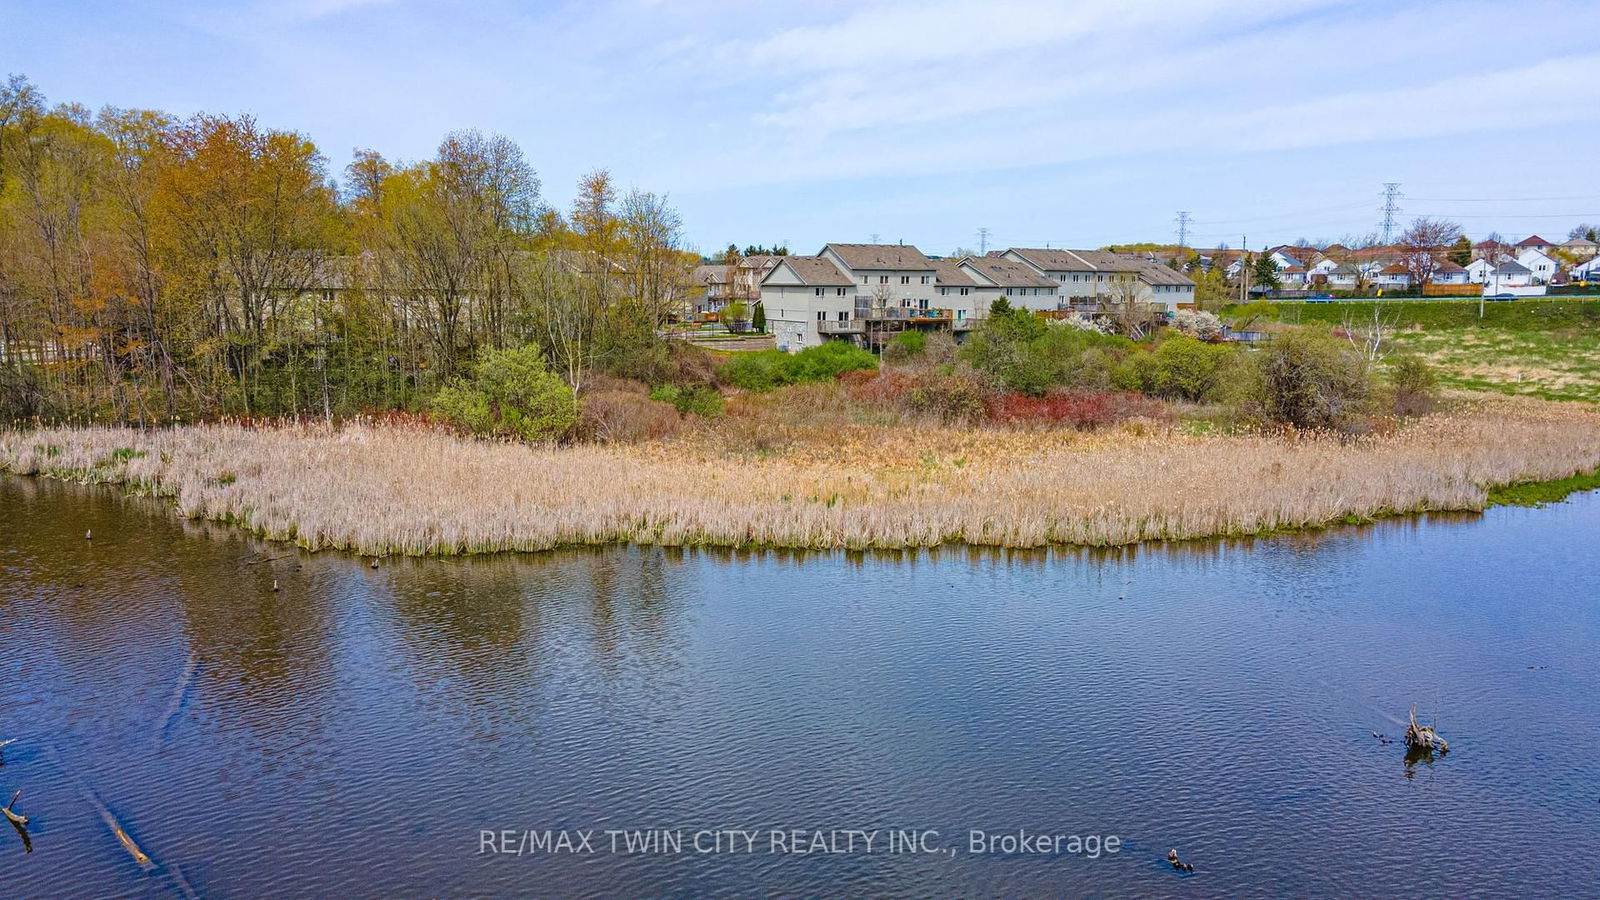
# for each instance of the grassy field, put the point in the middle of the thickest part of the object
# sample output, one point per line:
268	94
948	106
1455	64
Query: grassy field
756	481
1536	348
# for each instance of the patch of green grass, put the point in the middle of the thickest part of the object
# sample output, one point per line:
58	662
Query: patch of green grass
1513	315
1549	349
1540	493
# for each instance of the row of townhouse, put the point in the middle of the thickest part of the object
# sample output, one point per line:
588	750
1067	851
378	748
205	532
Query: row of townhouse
865	293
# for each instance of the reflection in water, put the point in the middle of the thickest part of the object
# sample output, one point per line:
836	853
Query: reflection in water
1421	755
353	731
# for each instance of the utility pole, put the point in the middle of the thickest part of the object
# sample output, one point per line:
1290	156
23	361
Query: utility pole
1244	269
874	237
1183	228
1391	208
983	242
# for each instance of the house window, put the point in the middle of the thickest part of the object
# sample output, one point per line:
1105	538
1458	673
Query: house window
905	279
943	291
863	279
883	279
819	292
925	279
839	291
822	316
844	316
964	291
1008	292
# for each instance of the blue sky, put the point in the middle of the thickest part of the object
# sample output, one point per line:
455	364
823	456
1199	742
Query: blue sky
1061	123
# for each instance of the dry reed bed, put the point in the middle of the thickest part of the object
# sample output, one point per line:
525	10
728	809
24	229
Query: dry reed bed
386	490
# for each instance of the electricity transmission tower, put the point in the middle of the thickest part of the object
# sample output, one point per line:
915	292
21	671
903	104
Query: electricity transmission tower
1391	208
1183	228
983	242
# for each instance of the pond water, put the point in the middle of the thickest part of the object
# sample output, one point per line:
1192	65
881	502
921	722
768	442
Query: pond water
358	730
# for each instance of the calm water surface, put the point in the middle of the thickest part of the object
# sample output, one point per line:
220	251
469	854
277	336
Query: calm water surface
352	733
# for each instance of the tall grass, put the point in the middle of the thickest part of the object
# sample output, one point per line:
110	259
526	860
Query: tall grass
387	489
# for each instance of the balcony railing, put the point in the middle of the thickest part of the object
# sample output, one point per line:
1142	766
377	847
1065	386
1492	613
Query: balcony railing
849	326
902	313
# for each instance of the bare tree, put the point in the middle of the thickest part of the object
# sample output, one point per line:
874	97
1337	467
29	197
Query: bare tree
1128	307
1372	339
1421	245
569	315
657	271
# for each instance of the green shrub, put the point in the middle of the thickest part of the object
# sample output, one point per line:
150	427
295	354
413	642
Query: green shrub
698	400
1184	368
769	369
761	371
1415	385
1002	350
1017	351
830	360
1308	378
1079	357
905	346
510	394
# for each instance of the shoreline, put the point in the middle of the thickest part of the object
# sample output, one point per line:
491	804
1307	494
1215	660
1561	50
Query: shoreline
387	491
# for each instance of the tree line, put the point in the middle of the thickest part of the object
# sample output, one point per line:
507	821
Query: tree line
154	268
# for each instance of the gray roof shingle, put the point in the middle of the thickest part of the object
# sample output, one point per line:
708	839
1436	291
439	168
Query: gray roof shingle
899	257
816	271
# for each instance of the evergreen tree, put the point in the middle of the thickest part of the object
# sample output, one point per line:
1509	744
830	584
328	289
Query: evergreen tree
1265	272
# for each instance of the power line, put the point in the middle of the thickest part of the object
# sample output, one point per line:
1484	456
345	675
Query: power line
1297	214
1391	206
1502	199
1534	216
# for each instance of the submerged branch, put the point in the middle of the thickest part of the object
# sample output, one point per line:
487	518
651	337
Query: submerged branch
177	697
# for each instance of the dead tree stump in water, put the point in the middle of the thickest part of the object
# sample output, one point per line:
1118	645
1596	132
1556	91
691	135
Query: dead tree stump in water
19	822
1424	738
16	819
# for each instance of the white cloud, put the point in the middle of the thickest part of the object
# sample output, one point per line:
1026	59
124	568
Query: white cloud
895	89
